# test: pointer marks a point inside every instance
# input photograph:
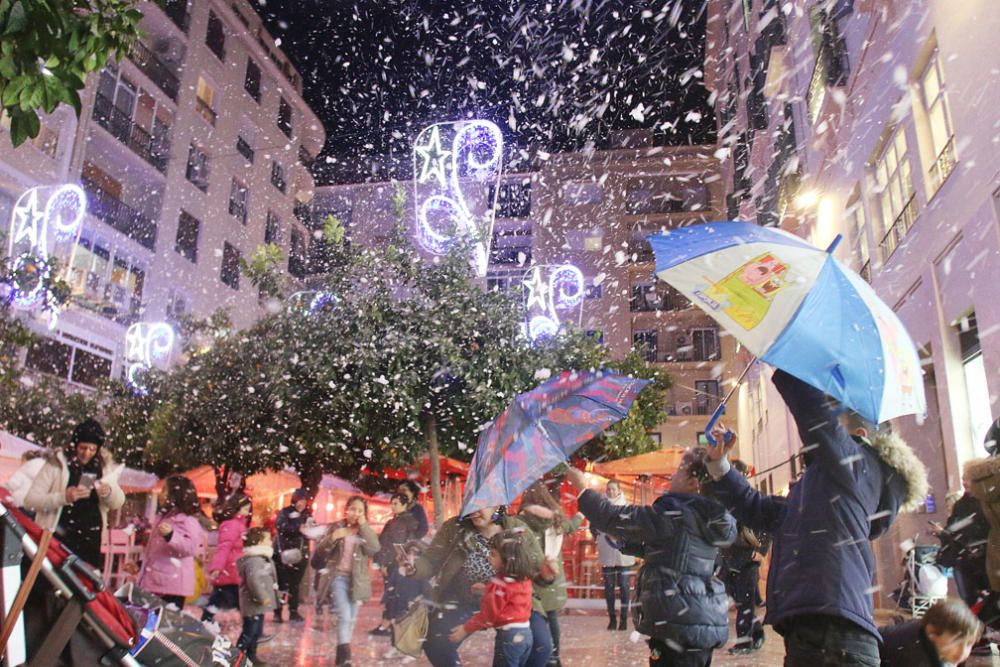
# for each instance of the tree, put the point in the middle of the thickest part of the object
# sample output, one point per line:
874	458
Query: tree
47	48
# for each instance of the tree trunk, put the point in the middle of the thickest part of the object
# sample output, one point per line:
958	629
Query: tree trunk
221	479
430	435
310	476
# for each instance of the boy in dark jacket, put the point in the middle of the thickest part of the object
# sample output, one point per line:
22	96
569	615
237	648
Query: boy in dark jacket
819	585
290	541
682	608
944	636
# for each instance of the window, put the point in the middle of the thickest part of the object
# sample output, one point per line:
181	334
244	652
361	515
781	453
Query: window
177	305
895	192
582	193
186	244
89	368
595	291
977	388
706	396
47	141
244	149
706	344
285	117
49	356
857	223
197	168
278	176
203	101
644	298
297	255
939	121
272	229
832	67
514	200
215	36
230	274
596	335
251	83
238	195
646	341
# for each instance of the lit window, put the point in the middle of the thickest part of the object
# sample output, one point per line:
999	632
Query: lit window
230	274
939	122
895	192
204	98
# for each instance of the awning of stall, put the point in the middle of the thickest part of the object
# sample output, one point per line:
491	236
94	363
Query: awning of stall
647	474
421	469
268	484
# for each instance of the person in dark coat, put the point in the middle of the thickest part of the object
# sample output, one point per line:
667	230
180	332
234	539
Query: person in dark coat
821	577
291	566
944	636
399	590
963	543
411	490
682	605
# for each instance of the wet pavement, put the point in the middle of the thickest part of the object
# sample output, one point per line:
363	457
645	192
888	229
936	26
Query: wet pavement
586	643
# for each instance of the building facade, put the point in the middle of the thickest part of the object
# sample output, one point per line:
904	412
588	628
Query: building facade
876	121
593	210
192	151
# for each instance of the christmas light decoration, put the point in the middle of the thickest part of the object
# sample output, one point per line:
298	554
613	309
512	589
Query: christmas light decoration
146	343
312	301
455	188
554	297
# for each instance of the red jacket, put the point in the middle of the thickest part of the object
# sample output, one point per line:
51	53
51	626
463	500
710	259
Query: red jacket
506	601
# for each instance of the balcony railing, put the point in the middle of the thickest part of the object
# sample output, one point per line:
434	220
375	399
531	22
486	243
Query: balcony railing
120	216
157	71
305	158
944	164
155	151
176	11
900	226
511	255
866	271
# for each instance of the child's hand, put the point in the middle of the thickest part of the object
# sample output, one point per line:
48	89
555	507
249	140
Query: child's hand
458	633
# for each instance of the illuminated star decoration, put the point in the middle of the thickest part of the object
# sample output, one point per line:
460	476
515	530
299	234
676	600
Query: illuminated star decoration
28	222
537	290
145	344
435	159
555	300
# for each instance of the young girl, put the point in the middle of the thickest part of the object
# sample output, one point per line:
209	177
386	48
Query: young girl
168	564
235	516
506	604
350	543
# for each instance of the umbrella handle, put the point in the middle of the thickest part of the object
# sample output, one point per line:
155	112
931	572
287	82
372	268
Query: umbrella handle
716	416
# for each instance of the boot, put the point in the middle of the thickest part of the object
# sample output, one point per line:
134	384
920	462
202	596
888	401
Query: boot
343	655
623	623
612	619
277	615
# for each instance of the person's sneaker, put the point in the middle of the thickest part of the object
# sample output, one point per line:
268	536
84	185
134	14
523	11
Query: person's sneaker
380	632
742	649
277	617
295	618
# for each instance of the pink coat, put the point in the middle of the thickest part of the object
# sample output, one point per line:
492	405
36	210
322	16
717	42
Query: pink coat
168	566
230	548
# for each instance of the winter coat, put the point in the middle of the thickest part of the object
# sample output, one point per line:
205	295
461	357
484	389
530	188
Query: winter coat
551	595
418	512
985	475
168	564
608	548
906	645
446	555
258	581
228	549
679	536
327	555
850	493
287	528
20	482
400	529
964	538
47	495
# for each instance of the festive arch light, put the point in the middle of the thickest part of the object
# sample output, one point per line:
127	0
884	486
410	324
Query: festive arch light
312	301
146	344
554	297
456	168
45	224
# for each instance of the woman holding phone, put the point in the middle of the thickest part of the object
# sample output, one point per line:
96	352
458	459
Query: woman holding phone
73	492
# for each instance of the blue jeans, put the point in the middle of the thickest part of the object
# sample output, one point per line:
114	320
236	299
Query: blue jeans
616	576
253	628
512	647
441	619
347	611
400	591
541	641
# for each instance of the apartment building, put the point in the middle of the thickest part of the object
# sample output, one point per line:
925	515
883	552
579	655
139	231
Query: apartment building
877	121
192	151
593	210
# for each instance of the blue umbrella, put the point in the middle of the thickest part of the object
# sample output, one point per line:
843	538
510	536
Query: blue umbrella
797	308
541	429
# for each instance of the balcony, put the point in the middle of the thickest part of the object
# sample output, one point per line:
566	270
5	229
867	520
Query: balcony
944	164
305	158
866	272
120	216
176	11
157	71
155	151
511	255
831	69
900	226
647	299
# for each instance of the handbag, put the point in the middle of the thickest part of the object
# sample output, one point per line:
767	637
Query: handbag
410	631
291	557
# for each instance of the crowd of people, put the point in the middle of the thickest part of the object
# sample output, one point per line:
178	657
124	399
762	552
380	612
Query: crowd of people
700	544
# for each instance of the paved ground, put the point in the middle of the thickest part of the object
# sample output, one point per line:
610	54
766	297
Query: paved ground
586	643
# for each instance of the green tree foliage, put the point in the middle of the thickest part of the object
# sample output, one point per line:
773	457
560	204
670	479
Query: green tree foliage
47	48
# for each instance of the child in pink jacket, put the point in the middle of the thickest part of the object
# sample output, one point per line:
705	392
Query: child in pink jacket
168	564
235	518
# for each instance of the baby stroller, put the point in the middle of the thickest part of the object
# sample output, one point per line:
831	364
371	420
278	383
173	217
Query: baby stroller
70	619
924	583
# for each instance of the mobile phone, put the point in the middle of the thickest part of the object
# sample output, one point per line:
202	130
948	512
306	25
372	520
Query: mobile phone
87	480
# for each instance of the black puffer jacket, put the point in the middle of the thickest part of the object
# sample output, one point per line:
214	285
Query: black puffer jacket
679	537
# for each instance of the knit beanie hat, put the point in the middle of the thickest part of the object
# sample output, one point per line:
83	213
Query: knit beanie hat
90	431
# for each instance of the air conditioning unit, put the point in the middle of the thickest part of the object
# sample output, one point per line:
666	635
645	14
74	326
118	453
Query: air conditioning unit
685	408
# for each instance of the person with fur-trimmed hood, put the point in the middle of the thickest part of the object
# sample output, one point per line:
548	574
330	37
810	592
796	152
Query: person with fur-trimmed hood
819	585
984	477
73	491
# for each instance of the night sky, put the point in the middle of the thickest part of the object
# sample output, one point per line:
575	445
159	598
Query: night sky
559	75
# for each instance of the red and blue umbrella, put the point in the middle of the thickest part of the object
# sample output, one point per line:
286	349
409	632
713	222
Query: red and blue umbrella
541	429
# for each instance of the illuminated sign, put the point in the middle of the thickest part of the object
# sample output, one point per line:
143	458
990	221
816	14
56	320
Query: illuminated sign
146	343
456	173
45	224
554	297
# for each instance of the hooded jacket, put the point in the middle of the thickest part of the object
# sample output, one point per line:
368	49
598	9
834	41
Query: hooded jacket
47	494
327	554
850	493
228	550
679	537
985	475
168	564
258	580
